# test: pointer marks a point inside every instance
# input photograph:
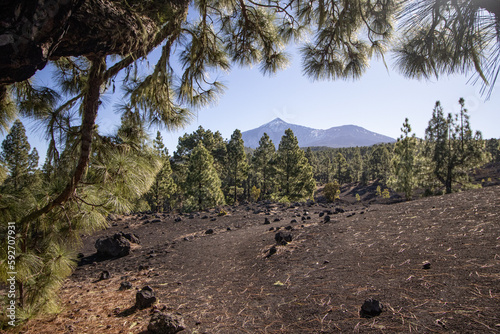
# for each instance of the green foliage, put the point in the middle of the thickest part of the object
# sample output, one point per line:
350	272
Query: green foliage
263	165
452	147
378	191
237	166
46	245
202	185
254	193
295	177
332	191
341	170
405	164
379	163
164	187
358	198
17	158
449	37
386	194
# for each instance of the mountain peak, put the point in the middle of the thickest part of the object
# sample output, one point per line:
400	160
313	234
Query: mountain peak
340	136
277	120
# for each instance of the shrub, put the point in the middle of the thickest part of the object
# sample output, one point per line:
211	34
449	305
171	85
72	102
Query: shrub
332	191
254	193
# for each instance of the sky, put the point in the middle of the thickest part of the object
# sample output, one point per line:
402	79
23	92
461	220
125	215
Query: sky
379	101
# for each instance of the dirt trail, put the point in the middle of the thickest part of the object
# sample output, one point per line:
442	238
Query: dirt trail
225	283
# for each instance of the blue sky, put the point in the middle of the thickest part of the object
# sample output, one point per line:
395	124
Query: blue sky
379	102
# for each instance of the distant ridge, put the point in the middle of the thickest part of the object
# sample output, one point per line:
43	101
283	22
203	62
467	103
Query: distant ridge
339	136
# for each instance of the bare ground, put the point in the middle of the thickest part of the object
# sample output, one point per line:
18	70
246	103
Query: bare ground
227	282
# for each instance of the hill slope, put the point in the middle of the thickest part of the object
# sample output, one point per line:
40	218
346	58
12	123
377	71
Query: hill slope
340	136
229	282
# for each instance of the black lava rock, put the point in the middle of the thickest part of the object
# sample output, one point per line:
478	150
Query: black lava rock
165	323
282	238
370	308
144	298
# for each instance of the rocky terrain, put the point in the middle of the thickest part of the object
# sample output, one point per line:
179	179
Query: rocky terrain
432	263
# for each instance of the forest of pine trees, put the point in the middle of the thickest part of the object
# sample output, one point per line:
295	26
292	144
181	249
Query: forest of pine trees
133	173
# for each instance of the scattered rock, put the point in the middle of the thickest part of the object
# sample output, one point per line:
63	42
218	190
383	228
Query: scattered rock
282	238
293	221
370	308
266	221
327	219
339	210
272	251
125	286
156	221
132	237
178	219
165	323
204	217
213	219
426	265
288	228
104	275
114	246
321	214
209	231
276	220
351	214
144	298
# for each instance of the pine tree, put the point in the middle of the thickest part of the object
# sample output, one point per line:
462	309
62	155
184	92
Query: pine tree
202	185
326	167
16	155
356	165
452	147
237	165
340	168
294	173
405	165
164	186
380	163
263	165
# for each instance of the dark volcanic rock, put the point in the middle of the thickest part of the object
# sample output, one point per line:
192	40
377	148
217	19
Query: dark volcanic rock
282	238
144	298
114	246
132	237
125	286
104	275
272	251
370	308
426	265
209	231
327	219
165	323
266	221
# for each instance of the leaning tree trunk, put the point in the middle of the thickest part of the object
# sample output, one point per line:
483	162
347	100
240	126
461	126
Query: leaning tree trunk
95	29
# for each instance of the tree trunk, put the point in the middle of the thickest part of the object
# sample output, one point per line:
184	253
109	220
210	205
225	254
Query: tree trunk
34	32
90	106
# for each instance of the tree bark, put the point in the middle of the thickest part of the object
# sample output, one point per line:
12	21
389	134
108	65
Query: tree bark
90	107
34	32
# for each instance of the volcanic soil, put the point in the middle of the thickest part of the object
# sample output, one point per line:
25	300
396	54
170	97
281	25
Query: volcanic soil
230	281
